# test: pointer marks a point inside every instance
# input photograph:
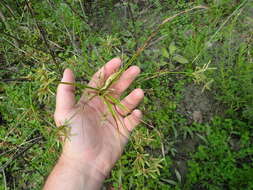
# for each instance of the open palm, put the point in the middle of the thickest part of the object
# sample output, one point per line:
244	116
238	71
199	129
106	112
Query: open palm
96	136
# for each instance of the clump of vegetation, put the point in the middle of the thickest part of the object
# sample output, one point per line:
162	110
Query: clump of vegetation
209	49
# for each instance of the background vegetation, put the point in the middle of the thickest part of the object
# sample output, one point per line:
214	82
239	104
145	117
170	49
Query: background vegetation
197	74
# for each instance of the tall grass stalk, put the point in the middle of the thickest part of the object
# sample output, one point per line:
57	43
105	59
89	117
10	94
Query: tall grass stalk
104	91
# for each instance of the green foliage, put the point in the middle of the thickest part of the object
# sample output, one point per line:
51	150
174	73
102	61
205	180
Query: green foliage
219	163
84	35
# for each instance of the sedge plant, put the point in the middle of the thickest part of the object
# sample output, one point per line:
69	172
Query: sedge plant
105	91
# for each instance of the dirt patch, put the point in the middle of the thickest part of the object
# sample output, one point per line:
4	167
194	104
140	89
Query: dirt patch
184	149
198	106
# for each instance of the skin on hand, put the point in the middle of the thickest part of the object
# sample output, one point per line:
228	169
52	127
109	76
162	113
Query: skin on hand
95	140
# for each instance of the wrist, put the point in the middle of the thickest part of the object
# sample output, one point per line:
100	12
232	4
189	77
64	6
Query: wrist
88	174
100	163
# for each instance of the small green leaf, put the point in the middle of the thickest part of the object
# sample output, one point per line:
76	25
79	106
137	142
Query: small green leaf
178	175
172	48
180	59
165	53
170	181
110	80
118	103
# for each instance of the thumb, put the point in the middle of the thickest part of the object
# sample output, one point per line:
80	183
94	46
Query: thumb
65	97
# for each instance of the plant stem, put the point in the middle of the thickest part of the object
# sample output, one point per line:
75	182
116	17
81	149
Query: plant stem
152	35
42	32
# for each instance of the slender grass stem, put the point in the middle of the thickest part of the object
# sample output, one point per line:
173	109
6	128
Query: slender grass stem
146	43
241	6
83	86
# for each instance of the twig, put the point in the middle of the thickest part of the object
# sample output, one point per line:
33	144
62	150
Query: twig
14	45
56	45
2	17
42	32
75	11
20	153
23	42
16	80
20	146
8	8
157	40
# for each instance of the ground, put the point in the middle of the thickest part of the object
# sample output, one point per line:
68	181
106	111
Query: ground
196	75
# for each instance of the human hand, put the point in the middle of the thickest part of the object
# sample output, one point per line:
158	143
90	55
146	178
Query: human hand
95	138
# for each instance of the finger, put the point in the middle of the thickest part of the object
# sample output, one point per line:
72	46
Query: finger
130	102
103	73
65	97
132	120
125	80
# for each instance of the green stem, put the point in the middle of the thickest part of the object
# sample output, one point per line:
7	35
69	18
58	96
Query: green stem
152	35
80	85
